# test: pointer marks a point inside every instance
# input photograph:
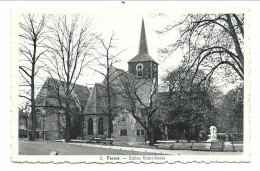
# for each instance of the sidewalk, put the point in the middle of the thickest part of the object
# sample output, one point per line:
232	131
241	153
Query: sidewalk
160	151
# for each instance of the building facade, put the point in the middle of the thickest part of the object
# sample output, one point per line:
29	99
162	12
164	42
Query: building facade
89	110
50	112
142	70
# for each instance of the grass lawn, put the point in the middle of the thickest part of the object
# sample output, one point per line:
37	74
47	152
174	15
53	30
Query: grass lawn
44	148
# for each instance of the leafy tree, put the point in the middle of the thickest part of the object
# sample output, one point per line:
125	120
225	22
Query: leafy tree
230	117
210	42
189	106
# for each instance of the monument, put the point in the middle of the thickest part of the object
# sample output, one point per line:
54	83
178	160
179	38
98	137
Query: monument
213	134
214	142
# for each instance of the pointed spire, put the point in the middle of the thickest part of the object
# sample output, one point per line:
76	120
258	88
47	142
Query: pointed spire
143	48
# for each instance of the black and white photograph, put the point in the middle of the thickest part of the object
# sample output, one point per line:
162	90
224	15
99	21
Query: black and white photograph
130	82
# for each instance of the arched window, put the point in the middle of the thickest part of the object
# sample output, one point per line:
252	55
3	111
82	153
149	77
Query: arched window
100	126
139	69
90	126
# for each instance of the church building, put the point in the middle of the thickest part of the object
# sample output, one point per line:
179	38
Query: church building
126	128
89	108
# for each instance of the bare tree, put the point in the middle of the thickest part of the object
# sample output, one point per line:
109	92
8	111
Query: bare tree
210	42
70	45
32	36
107	56
141	95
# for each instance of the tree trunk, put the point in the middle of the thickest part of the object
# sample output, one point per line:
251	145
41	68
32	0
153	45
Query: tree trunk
110	129
109	97
26	126
235	39
166	132
152	136
68	126
32	138
67	139
177	133
33	114
189	133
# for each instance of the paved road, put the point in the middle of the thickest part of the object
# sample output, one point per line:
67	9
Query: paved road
44	148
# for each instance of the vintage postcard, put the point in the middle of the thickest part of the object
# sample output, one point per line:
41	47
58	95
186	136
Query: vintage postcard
120	82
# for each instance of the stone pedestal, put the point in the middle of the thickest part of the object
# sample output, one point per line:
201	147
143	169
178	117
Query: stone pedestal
214	145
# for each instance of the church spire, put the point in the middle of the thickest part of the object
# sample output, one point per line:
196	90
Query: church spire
143	48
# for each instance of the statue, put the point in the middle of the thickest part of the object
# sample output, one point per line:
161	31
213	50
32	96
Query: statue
213	134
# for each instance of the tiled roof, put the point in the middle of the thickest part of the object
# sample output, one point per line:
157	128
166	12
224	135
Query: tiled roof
97	102
142	58
48	95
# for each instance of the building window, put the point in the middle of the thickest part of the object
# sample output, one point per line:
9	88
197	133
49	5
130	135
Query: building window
139	73
123	132
139	66
90	126
123	119
139	69
100	126
138	132
142	132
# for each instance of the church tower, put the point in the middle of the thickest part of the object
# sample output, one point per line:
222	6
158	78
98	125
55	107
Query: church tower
143	65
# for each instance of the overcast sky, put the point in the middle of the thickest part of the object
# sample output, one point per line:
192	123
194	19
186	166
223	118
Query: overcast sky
124	20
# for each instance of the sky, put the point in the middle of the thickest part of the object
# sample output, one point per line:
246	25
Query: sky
125	22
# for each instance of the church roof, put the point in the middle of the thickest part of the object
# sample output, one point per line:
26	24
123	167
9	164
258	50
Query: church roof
96	103
120	80
142	58
53	89
143	54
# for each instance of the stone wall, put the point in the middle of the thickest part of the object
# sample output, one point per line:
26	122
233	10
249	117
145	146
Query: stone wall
150	69
51	123
126	121
123	121
95	119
